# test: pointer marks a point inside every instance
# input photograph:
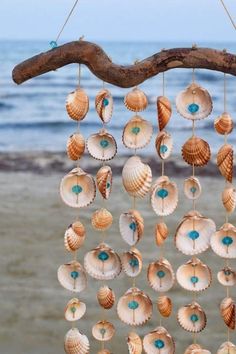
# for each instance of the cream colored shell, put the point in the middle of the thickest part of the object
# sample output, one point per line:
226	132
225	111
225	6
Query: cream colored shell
196	151
135	344
102	145
104	181
192	318
137	133
224	124
131	226
225	161
106	297
227	276
201	351
164	196
227	310
104	105
192	188
72	276
132	262
161	233
103	331
227	348
160	275
104	351
229	198
164	145
223	242
192	347
164	305
75	146
136	100
76	342
77	104
75	310
101	219
74	236
159	336
164	111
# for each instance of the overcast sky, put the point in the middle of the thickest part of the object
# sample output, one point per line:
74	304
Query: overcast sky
153	20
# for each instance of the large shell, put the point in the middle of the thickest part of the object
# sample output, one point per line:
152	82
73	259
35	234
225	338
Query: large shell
137	177
137	133
192	318
192	188
75	309
191	348
194	275
225	161
193	233
131	226
161	233
106	297
164	305
102	263
72	276
77	104
102	145
227	276
135	344
223	242
229	198
104	181
104	105
75	146
196	151
224	124
160	275
77	188
136	100
227	348
74	236
164	144
101	219
134	307
158	341
194	102
164	111
132	262
76	342
103	331
164	196
227	310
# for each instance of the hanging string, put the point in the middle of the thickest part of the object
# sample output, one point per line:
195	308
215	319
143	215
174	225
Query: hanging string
228	13
66	21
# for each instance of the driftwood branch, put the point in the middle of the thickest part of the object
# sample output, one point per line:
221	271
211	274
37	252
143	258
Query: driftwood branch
102	66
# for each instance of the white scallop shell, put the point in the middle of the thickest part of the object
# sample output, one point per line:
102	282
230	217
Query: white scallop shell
104	105
160	275
72	276
192	188
76	342
227	276
223	242
132	262
137	133
227	348
131	226
135	344
158	341
192	318
102	145
164	196
75	310
164	144
103	331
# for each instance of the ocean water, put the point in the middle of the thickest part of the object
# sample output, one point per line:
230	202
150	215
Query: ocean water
33	115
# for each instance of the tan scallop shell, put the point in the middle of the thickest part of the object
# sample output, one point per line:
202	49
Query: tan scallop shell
132	262
101	219
161	233
74	236
201	351
103	331
136	100
164	305
164	144
227	310
76	342
223	242
192	347
229	198
77	104
227	276
194	94
227	348
102	263
106	297
164	196
75	146
104	181
224	124
192	318
192	188
225	161
164	111
131	226
137	177
104	105
75	310
102	145
193	233
135	307
77	188
72	276
194	275
104	351
196	151
135	344
160	275
158	336
137	133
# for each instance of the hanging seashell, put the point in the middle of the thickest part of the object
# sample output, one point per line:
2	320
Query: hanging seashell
194	102
137	177
134	308
201	351
164	305
74	310
106	297
158	341
131	226
104	105
191	348
192	188
102	263
223	242
132	262
75	146
103	331
137	133
77	104
104	181
224	124
135	344
193	233
136	100
77	188
72	276
102	219
227	276
227	348
164	196
102	146
76	342
104	351
192	318
74	236
164	111
196	151
227	310
225	161
164	145
229	198
161	233
160	275
194	275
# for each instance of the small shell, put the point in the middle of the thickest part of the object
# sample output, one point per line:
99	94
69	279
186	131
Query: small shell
136	100
225	161
74	236
132	262
227	348
76	342
229	198
134	308
77	104
135	344
103	331
77	188
74	310
104	351
227	310
131	226
160	275
161	233
104	181
227	276
75	146
102	263
158	341
201	351
164	196
164	111
72	276
192	318
102	146
106	297
224	124
102	219
194	102
192	188
137	133
164	305
104	105
192	347
223	242
164	145
196	151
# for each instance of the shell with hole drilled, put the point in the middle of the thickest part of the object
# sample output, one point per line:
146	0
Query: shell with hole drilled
102	145
227	348
76	342
160	275
192	318
101	219
137	133
164	144
223	242
106	297
164	306
103	331
192	188
72	276
229	198
77	104
192	347
227	310
75	310
227	276
104	181
158	341
164	111
132	262
131	226
196	151
164	196
135	344
75	146
161	233
136	100
225	161
74	236
224	124
104	105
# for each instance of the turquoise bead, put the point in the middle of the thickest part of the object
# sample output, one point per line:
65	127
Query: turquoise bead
163	149
105	102
227	272
193	190
136	130
162	193
73	309
104	143
161	274
77	189
53	44
194	318
133	305
133	226
103	256
194	279
159	344
108	185
134	262
74	274
193	235
102	331
227	240
193	108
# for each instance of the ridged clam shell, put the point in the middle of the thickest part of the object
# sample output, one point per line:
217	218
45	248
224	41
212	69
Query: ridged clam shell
77	104
224	124
160	275
102	145
132	262
135	344
194	102
136	100
164	196
223	242
72	276
229	198
161	233
101	219
75	309
192	318
106	297
131	226
77	188
164	144
104	351
225	161
227	310
104	105
196	151
192	347
103	331
74	236
76	342
201	351
192	188
102	263
164	305
135	307
104	181
137	177
158	341
137	133
164	111
75	146
227	276
227	348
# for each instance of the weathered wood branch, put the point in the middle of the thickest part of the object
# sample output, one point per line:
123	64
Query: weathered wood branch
101	65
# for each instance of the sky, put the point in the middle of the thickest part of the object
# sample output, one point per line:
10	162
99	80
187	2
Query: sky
108	20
